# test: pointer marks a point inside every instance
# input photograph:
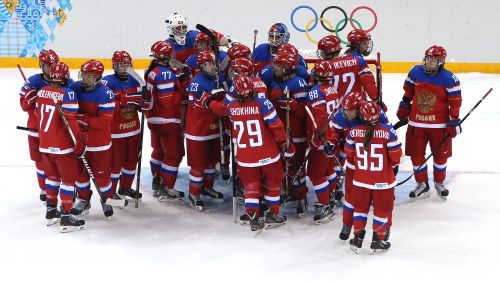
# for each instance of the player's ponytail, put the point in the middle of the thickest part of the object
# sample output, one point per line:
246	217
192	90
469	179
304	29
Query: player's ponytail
153	64
368	135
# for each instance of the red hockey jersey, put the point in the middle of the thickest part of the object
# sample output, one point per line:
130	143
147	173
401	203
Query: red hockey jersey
373	165
351	73
433	98
54	137
256	131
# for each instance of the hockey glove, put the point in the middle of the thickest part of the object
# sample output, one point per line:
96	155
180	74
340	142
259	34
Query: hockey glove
453	127
218	94
204	100
403	110
83	121
316	140
287	152
381	104
329	149
283	102
81	145
29	100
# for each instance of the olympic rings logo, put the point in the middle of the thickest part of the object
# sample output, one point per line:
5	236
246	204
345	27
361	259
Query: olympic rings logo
327	25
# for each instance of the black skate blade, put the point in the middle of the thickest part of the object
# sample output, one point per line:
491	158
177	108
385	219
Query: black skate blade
116	202
52	221
378	251
325	220
197	208
163	198
66	229
257	232
355	249
422	196
274	225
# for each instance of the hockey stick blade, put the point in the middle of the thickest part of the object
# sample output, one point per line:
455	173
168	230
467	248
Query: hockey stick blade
401	123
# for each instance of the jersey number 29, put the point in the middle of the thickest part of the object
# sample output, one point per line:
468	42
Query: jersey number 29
253	130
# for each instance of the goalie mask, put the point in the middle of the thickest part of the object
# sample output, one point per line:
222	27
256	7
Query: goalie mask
177	28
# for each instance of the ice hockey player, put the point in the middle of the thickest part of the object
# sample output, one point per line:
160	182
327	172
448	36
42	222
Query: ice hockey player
343	120
203	131
125	127
293	98
267	73
353	71
59	151
96	106
203	43
329	47
321	167
432	102
373	148
28	95
184	40
265	52
164	122
260	138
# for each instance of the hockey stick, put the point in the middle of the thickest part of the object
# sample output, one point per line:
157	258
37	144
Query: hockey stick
401	123
379	78
215	48
26	129
104	201
141	81
22	72
255	31
288	136
445	138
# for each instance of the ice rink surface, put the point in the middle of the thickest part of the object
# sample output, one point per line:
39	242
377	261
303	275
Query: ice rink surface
431	239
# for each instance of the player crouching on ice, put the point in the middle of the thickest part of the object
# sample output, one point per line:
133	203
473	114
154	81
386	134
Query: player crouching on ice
374	149
59	153
259	136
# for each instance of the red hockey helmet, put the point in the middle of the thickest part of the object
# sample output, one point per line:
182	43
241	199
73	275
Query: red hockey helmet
205	57
162	50
357	37
202	39
323	70
243	85
328	46
287	48
122	57
238	51
94	67
353	100
48	57
286	60
59	72
370	112
241	66
434	59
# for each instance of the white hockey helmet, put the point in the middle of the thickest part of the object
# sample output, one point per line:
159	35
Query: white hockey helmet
177	28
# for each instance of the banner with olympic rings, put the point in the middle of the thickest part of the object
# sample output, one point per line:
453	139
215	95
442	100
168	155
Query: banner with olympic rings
327	24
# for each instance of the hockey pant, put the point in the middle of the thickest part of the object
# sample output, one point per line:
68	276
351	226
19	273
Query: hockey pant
36	156
202	158
321	172
125	155
416	143
100	165
168	150
62	171
254	189
383	204
298	188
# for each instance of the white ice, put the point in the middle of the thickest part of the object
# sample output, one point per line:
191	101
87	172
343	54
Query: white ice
431	239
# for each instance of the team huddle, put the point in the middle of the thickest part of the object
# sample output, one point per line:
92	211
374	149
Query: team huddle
258	116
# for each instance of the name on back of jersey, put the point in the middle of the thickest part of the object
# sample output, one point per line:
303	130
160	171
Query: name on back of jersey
380	134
